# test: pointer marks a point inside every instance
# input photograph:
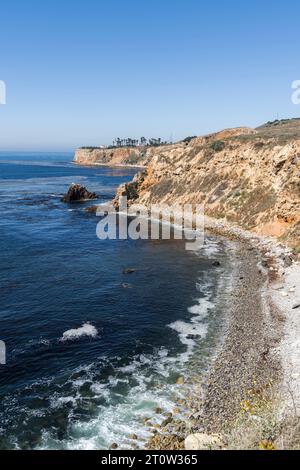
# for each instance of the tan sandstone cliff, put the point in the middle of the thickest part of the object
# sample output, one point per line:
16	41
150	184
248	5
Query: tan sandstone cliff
135	156
247	177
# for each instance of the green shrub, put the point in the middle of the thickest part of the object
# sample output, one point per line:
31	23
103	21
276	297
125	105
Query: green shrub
218	145
189	138
259	145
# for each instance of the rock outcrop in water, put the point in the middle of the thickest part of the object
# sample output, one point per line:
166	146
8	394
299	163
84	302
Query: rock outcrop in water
77	193
247	177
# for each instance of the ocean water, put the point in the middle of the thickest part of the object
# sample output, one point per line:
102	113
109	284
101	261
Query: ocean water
87	359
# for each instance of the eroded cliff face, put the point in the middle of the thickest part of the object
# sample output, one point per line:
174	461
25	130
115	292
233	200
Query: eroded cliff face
114	157
245	176
135	156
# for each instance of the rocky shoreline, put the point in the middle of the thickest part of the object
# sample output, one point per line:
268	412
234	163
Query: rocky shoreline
245	362
242	402
248	180
250	399
247	400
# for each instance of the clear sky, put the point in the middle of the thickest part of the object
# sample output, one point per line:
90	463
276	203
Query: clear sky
83	72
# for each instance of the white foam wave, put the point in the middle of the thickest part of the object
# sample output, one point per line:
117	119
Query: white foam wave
85	330
201	309
149	381
189	329
210	247
44	341
196	328
188	334
117	420
59	402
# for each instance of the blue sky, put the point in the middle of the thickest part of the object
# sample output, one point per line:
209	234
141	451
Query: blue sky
84	72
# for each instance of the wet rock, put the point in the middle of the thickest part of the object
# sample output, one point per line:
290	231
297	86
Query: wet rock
181	401
158	410
166	422
216	263
146	420
133	436
190	336
202	441
180	380
129	270
114	446
92	209
296	305
76	193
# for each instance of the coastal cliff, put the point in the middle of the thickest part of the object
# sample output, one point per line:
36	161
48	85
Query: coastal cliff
129	156
246	177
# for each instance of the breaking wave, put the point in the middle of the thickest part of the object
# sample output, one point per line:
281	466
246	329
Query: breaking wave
85	330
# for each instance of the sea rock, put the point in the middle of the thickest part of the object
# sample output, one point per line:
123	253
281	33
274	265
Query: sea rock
114	446
129	271
296	305
92	209
76	193
126	285
202	441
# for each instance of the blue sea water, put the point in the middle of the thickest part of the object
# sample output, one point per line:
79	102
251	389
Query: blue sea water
87	359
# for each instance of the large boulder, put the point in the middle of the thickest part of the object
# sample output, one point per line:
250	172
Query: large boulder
76	193
202	441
